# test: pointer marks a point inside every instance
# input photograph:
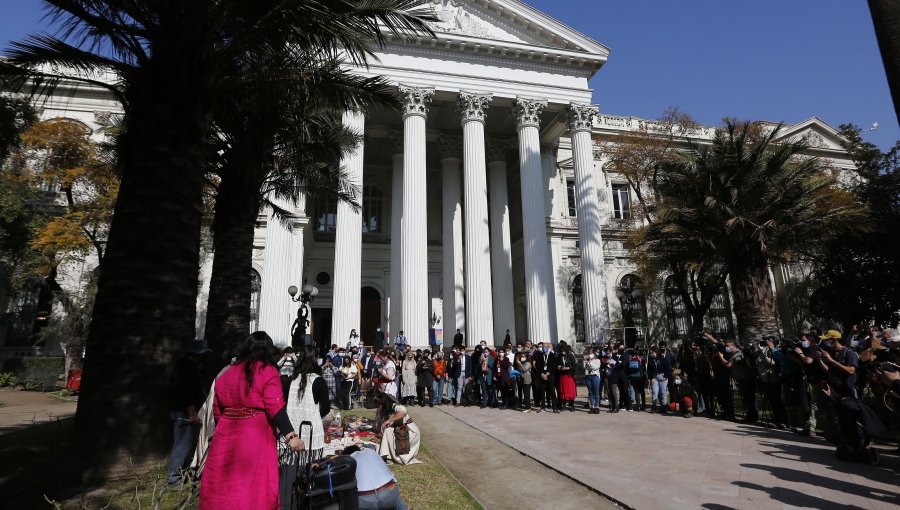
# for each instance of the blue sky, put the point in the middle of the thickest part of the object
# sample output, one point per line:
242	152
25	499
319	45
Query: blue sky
777	60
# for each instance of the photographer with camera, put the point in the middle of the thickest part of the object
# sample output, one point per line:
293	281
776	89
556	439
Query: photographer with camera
795	392
721	353
807	356
768	368
857	423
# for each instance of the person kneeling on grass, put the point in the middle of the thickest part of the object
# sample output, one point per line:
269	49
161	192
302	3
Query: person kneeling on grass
376	485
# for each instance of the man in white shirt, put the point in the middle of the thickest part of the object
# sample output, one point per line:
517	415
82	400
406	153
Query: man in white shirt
376	486
400	342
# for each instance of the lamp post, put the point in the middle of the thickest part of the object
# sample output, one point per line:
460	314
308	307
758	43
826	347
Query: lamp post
299	336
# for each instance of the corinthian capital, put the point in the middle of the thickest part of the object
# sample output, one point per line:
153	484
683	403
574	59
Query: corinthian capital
580	117
527	112
472	106
416	100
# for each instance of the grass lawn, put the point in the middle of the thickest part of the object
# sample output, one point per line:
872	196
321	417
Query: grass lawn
27	460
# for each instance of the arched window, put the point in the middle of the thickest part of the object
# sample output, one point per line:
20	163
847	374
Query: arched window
676	313
718	318
326	214
634	309
371	209
578	307
255	290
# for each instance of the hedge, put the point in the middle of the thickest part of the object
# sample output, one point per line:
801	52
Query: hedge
39	373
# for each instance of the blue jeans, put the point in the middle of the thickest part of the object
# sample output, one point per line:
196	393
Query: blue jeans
658	392
487	392
438	387
382	500
185	433
593	385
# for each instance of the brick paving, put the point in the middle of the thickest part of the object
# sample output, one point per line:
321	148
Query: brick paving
648	461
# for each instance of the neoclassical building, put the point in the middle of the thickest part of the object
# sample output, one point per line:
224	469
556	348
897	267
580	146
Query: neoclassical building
486	205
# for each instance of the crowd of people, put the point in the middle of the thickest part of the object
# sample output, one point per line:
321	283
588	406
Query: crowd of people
813	383
844	387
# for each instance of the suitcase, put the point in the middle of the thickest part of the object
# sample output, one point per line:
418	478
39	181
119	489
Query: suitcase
327	483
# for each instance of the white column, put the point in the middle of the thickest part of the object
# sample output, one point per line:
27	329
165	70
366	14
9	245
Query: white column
556	197
414	234
283	258
596	308
396	308
548	167
538	275
453	274
348	243
501	246
480	318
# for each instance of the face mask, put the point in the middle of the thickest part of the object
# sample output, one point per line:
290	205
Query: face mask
546	350
805	344
728	350
854	343
677	381
355	357
519	349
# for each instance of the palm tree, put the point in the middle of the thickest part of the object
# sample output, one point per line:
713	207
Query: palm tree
749	201
278	136
170	58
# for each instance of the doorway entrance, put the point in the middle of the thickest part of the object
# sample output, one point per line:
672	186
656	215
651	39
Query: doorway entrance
369	314
321	329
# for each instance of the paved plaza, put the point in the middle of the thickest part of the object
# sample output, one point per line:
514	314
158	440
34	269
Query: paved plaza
648	461
21	409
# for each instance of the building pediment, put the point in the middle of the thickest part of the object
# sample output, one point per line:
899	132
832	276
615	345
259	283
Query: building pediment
510	29
815	132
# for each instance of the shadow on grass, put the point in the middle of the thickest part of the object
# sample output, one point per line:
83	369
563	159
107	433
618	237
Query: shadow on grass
31	473
28	462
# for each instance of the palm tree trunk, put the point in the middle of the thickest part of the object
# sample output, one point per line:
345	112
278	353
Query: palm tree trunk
228	311
754	302
886	19
147	292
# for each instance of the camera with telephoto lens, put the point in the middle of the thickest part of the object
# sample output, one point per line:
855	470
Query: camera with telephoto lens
887	366
790	342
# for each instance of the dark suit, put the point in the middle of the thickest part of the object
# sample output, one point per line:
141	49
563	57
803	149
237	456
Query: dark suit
545	365
458	339
378	340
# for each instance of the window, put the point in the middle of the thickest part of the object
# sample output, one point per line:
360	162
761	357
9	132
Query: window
326	214
255	291
570	196
578	306
621	202
676	314
634	309
371	209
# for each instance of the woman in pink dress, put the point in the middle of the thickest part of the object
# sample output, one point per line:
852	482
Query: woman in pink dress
242	464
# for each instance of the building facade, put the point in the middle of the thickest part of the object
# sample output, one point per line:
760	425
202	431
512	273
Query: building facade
486	202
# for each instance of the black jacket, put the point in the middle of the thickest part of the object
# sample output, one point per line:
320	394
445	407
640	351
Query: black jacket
456	364
378	340
544	363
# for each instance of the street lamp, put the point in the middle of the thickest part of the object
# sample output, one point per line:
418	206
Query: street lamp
299	337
